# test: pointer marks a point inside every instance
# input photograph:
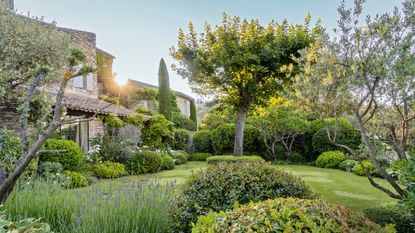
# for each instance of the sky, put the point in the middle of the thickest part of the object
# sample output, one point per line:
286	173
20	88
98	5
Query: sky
140	32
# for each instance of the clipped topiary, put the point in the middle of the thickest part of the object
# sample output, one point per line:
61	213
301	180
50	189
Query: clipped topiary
167	162
77	180
202	141
109	169
234	159
223	139
67	153
358	170
219	186
330	159
297	158
347	135
288	215
144	162
199	156
180	157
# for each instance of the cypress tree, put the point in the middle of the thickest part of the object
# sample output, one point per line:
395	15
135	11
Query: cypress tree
193	112
164	91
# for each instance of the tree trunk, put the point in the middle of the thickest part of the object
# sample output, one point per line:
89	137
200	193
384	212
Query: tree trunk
239	132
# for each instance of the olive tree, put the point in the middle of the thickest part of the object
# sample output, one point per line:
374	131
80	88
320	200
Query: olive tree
240	62
369	72
280	124
33	54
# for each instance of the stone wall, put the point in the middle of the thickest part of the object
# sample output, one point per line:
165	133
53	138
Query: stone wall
9	4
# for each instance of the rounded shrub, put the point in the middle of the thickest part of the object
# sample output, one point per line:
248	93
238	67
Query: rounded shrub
297	158
167	162
180	157
330	159
144	162
287	215
181	139
348	165
48	168
202	141
109	169
234	159
199	156
67	153
358	170
77	180
221	185
392	214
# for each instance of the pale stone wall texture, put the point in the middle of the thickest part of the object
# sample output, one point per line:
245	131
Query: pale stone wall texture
9	4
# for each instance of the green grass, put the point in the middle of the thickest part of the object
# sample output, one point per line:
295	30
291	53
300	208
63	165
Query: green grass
333	185
340	187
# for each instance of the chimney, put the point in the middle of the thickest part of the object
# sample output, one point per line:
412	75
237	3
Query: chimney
9	4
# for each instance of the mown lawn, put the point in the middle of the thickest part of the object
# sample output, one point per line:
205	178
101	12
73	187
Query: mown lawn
340	187
333	185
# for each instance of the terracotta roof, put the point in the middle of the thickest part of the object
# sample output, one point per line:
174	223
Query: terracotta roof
92	105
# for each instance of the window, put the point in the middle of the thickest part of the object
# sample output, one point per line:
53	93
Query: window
90	82
78	82
84	82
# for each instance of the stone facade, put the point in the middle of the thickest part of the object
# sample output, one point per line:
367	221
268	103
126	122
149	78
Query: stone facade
9	4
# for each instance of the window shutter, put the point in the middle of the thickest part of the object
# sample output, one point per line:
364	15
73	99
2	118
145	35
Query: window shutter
90	82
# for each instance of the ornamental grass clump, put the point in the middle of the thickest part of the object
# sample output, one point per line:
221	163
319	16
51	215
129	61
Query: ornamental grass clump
136	207
219	186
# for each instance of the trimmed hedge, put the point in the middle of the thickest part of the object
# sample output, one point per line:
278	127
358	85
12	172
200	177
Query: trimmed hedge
221	185
202	141
287	215
233	159
330	159
358	170
109	169
392	214
70	158
167	162
297	158
199	156
144	162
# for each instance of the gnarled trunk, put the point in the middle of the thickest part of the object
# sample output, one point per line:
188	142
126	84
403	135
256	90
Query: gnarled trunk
239	132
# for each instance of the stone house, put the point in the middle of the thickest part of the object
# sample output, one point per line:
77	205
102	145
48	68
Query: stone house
81	95
183	101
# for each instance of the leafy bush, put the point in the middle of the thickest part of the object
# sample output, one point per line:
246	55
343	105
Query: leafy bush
221	185
392	214
223	139
348	165
349	137
202	141
181	139
167	162
297	158
112	148
330	159
47	168
27	225
287	215
10	149
199	156
180	157
109	169
70	155
233	159
280	154
157	132
183	122
144	162
373	171
140	207
76	179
